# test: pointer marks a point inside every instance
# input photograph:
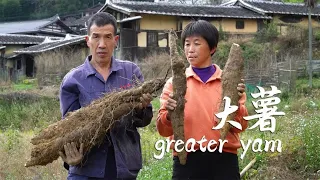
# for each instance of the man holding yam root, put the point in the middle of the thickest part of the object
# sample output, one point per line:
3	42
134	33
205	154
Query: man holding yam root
119	156
203	98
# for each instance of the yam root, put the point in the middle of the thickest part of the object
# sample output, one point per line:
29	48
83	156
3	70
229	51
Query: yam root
179	90
89	124
232	74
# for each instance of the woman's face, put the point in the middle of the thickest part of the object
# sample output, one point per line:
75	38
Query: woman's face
198	52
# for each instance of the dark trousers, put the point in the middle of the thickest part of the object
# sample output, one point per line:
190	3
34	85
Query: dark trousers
110	171
207	166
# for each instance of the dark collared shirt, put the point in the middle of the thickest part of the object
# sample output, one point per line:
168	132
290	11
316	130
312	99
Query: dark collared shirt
84	84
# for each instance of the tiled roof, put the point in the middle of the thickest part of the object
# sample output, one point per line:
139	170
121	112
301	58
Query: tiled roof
79	22
184	10
50	45
20	27
283	8
274	7
20	39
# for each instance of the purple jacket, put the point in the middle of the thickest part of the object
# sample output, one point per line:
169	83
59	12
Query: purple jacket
84	84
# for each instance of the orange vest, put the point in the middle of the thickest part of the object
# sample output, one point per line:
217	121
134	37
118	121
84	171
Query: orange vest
203	101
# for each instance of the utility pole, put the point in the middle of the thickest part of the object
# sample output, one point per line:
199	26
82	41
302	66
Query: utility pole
310	4
310	47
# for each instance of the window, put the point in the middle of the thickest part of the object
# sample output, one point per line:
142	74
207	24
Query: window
239	24
152	39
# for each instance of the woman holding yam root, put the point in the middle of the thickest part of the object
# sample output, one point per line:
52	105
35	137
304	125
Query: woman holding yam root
119	155
203	98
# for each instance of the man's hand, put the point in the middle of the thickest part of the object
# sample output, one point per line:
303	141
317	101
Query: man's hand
170	105
72	155
241	88
145	100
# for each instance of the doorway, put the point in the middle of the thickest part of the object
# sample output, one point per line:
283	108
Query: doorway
29	67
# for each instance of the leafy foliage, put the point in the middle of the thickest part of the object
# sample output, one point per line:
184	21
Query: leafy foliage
294	1
13	10
268	33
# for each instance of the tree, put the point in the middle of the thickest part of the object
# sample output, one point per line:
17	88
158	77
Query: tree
310	5
294	1
11	9
27	7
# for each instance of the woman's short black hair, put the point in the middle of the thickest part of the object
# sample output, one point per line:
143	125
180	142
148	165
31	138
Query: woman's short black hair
102	19
204	29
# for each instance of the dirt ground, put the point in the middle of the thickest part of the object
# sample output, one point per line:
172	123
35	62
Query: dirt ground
50	91
31	94
285	167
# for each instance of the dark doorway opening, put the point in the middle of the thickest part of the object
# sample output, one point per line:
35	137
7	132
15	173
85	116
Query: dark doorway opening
29	67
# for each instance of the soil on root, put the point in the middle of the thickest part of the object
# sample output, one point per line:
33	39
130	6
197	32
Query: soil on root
89	124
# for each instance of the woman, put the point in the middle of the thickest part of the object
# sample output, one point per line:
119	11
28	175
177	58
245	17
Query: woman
203	98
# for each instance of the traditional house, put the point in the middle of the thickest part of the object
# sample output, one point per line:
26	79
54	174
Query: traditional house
11	65
78	23
284	15
3	77
54	58
144	26
46	27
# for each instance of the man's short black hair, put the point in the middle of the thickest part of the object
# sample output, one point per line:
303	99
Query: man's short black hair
102	19
204	29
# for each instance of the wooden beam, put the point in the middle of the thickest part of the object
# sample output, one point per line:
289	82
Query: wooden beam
248	167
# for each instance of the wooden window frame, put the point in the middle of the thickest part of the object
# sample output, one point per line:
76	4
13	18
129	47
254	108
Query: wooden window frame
240	24
156	42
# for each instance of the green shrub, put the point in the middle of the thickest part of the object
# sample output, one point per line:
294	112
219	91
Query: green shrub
311	139
25	84
222	34
220	57
159	169
12	139
28	115
268	33
252	52
317	35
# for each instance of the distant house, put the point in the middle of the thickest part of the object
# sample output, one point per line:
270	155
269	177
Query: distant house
54	58
92	10
284	15
78	23
144	26
45	27
11	65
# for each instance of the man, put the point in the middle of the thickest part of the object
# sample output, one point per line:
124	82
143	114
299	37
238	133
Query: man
119	156
203	98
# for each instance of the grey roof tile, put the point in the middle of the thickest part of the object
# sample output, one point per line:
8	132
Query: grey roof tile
20	39
50	45
187	10
274	7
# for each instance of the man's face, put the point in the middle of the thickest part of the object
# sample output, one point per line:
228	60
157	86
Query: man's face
102	42
197	51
